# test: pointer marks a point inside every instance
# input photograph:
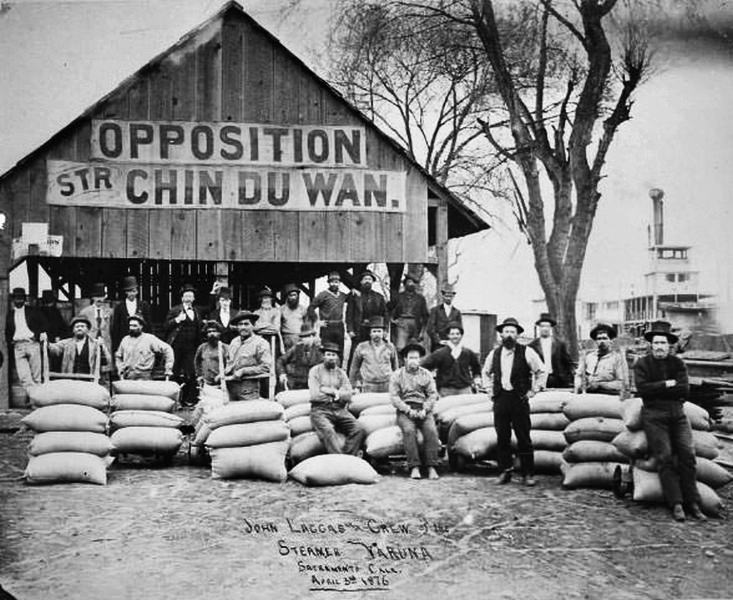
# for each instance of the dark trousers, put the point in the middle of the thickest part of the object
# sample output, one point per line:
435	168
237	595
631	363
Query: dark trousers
554	381
328	419
669	436
431	444
184	372
512	411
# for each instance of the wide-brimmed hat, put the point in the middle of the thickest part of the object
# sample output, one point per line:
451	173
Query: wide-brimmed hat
413	345
546	317
264	292
411	277
509	321
212	324
331	347
367	273
334	275
129	283
97	291
306	329
447	288
609	329
188	287
48	296
80	319
661	328
18	292
454	325
244	314
138	318
224	292
290	287
376	322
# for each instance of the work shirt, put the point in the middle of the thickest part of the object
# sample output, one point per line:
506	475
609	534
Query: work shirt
206	361
609	369
650	375
138	354
70	348
298	361
320	377
410	305
535	363
291	319
248	357
22	331
330	306
269	321
411	389
373	363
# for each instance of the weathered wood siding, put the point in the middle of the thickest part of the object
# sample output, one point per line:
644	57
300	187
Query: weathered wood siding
230	71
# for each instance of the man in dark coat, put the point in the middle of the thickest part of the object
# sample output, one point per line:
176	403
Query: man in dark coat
458	368
661	381
223	313
183	331
553	351
440	316
293	366
57	327
409	313
361	307
328	308
24	329
130	305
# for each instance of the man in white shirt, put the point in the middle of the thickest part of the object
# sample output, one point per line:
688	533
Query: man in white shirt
25	328
513	373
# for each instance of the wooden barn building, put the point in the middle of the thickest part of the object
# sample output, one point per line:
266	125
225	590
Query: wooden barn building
224	156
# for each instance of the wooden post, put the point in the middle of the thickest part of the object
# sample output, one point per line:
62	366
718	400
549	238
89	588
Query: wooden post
441	242
5	246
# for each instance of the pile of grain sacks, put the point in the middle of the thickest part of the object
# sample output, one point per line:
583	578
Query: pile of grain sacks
632	443
142	422
246	440
590	458
378	416
472	436
70	423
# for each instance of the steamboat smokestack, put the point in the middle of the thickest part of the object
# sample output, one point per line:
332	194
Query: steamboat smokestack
657	196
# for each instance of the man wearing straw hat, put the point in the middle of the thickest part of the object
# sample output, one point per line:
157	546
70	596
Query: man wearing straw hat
130	305
604	370
211	356
79	353
661	381
135	357
248	361
24	329
293	366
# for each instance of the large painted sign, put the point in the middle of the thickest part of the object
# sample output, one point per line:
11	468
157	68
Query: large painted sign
175	164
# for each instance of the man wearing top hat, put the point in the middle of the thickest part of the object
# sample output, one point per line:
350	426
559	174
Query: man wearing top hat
99	314
130	305
554	353
328	308
513	373
440	316
136	354
292	315
182	331
413	394
223	312
293	366
79	353
457	368
330	392
603	370
25	327
374	361
661	381
409	313
211	355
361	306
249	359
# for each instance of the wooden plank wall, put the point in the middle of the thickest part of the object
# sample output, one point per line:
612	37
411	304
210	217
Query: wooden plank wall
229	72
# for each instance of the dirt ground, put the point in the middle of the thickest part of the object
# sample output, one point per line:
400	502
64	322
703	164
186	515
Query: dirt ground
174	533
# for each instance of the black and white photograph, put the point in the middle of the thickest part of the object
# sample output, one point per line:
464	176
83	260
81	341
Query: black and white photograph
375	299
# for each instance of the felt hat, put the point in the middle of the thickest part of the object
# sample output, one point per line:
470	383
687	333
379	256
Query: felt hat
509	321
546	317
454	325
603	327
212	324
334	275
290	287
48	296
97	291
447	288
376	322
80	319
367	273
330	347
413	345
129	283
138	318
264	292
306	329
661	328
411	277
188	287
244	314
18	292
224	292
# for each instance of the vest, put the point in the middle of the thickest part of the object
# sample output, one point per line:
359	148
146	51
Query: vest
521	376
81	359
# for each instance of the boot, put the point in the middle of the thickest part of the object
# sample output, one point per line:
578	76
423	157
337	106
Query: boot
415	473
678	513
696	513
504	477
432	473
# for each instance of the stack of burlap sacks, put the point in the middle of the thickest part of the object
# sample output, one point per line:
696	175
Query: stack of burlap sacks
70	423
246	440
590	459
631	442
141	421
472	436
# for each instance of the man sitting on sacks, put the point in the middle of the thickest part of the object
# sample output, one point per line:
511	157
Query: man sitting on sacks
293	366
413	393
135	356
248	361
79	353
602	371
457	368
661	381
211	356
330	392
513	373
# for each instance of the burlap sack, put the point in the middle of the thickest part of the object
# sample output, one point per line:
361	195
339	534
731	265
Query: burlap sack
333	469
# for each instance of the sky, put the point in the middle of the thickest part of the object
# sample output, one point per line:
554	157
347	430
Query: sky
57	58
